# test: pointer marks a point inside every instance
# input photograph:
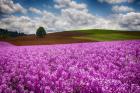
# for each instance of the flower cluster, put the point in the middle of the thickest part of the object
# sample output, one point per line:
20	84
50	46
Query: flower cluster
101	67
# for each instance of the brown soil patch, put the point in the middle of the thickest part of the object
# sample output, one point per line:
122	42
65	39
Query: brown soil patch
51	38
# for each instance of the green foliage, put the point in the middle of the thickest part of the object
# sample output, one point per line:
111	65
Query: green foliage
40	32
4	34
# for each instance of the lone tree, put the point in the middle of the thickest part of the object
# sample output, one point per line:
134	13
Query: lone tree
40	32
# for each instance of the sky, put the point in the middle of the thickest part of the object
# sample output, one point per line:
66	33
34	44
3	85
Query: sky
64	15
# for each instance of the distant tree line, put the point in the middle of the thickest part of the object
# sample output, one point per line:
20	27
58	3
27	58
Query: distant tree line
4	33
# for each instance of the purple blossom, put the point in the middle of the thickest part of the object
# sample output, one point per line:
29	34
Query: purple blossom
102	67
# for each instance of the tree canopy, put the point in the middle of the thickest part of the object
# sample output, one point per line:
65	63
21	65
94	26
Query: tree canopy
40	32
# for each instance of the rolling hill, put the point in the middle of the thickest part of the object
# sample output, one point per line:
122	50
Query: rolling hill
77	36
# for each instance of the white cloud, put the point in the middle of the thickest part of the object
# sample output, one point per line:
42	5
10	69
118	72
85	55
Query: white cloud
23	24
122	8
34	10
77	17
62	3
75	5
116	1
129	21
8	7
69	20
72	16
70	4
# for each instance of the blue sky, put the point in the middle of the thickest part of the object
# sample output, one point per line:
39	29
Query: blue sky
59	15
94	6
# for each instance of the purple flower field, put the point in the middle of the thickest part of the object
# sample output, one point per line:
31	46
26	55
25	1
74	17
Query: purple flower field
102	67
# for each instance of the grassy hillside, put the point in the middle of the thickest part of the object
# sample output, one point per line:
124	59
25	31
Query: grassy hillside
108	35
51	38
78	36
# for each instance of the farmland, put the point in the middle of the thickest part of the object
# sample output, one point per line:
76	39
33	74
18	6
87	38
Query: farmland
69	46
78	36
108	35
81	61
97	67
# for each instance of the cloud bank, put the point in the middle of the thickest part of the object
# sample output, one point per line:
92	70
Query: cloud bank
8	7
116	1
72	16
122	8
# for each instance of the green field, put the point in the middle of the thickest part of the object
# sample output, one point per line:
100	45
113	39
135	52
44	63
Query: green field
108	35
